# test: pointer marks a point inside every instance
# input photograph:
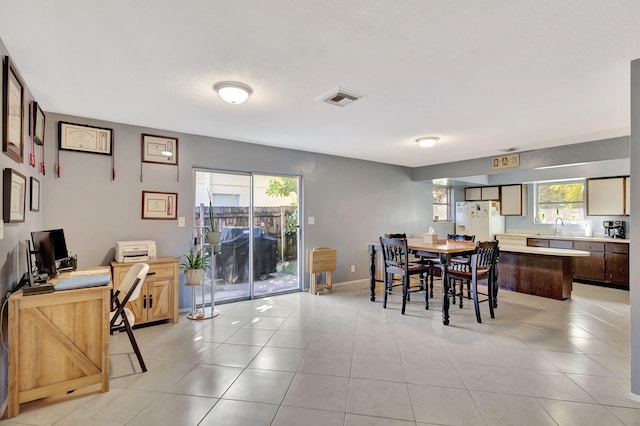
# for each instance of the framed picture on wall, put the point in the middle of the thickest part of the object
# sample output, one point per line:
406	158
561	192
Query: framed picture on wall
159	149
37	119
80	137
14	192
159	205
13	112
35	194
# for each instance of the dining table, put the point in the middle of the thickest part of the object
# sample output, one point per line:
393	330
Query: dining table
443	250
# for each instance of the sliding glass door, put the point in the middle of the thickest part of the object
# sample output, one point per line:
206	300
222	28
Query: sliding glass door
251	261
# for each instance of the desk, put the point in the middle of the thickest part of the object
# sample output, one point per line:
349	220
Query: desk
445	250
58	344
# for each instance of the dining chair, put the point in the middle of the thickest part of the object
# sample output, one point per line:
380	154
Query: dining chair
461	259
395	254
482	265
122	319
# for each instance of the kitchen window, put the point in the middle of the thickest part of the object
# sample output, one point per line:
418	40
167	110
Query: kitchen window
441	204
563	199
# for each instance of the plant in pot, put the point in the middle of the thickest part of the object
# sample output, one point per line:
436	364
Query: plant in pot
194	263
213	236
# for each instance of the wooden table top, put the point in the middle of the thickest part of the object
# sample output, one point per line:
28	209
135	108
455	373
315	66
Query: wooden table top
442	246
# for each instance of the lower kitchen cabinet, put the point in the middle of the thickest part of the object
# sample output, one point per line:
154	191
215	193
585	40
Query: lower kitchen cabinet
608	263
617	263
158	300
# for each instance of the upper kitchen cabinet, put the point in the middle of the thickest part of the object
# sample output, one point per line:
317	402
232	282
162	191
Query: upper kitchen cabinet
513	200
627	195
490	193
607	197
473	194
485	193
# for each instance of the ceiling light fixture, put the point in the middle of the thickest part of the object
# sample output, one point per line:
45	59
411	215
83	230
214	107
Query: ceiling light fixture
427	141
232	91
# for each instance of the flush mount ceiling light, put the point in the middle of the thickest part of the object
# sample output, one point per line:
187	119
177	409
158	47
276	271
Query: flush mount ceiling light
427	141
232	91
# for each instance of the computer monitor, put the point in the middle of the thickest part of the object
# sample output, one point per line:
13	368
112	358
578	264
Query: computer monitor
50	247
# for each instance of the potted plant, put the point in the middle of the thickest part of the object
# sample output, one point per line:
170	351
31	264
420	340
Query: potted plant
213	236
194	264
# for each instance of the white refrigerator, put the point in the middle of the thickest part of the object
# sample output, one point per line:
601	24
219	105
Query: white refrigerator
479	218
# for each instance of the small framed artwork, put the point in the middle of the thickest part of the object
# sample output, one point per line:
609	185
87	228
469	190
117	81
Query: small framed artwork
38	123
35	194
159	205
80	137
14	191
13	112
159	149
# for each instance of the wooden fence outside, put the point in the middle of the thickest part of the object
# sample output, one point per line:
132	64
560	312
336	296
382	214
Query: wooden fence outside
270	219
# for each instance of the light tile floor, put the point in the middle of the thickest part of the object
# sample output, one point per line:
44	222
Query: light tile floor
339	359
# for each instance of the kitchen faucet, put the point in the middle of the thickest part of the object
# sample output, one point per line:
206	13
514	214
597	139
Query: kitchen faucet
561	225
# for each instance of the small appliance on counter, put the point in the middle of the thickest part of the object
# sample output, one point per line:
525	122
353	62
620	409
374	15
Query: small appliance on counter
614	228
135	251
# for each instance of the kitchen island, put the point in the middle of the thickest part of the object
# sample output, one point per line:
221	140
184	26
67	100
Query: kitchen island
607	263
541	271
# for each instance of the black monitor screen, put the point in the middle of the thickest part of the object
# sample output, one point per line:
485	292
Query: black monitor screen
57	240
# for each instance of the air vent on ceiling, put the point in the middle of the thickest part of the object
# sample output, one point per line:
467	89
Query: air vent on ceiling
340	97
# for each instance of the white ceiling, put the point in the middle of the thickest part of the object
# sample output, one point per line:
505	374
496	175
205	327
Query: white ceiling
483	75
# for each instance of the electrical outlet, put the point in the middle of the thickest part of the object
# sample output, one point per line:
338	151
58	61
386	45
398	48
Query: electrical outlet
353	268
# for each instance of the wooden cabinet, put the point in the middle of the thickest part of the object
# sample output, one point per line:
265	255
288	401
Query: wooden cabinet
607	263
490	193
484	193
617	263
537	242
606	196
589	268
473	194
158	299
513	200
627	195
58	345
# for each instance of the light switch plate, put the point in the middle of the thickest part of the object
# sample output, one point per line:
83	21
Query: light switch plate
181	222
311	220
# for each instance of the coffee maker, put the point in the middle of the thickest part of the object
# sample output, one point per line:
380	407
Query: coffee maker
613	228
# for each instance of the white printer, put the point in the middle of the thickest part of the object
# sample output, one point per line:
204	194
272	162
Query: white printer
135	251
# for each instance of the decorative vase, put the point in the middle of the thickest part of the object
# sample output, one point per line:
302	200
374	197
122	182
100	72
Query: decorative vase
213	237
194	276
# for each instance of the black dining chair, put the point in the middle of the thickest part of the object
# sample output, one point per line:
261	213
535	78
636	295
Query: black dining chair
460	259
396	258
482	266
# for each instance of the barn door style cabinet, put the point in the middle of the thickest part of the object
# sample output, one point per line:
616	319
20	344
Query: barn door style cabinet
158	300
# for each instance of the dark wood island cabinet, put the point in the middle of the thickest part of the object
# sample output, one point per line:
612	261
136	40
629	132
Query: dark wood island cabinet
608	262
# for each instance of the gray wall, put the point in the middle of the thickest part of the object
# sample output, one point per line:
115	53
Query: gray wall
12	246
353	201
634	291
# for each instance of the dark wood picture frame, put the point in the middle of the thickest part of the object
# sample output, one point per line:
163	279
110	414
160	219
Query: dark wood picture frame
13	112
159	205
38	119
154	145
34	192
85	138
14	194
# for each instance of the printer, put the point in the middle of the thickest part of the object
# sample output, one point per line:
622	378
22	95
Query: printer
135	251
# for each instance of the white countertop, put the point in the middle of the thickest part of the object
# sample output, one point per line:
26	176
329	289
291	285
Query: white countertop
544	251
566	237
